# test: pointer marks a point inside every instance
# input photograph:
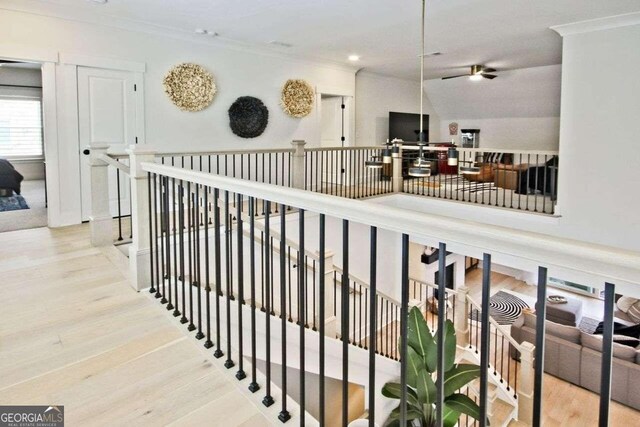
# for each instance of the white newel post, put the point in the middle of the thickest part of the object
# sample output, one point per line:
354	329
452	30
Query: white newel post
396	163
462	317
139	251
297	164
330	321
100	219
525	391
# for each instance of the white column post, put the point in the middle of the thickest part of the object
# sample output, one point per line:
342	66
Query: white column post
396	177
330	321
100	219
139	251
462	317
297	164
525	391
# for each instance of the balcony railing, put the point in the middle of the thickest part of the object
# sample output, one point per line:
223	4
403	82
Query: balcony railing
261	287
519	180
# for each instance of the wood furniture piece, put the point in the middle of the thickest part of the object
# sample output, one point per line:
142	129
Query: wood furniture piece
508	176
488	164
569	313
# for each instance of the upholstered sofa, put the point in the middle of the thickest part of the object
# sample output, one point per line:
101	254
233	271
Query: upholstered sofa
575	356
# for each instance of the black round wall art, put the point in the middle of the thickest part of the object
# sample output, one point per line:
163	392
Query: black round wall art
248	117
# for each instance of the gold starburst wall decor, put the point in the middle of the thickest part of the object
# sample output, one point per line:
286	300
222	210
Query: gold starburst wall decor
297	98
190	87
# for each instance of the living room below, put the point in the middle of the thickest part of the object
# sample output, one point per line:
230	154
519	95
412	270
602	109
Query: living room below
573	345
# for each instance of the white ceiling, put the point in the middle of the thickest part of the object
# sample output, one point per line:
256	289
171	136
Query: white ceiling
503	34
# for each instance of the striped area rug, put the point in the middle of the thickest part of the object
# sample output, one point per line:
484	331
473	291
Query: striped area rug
504	308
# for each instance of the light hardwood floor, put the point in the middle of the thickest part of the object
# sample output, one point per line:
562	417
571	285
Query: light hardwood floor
564	404
73	333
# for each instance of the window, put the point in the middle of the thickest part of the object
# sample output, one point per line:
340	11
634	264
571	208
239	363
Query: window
20	128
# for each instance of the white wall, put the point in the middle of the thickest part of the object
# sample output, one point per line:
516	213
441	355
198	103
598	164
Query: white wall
525	133
599	150
238	72
518	110
377	96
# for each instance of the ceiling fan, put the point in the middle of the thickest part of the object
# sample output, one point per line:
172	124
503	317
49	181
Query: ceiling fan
478	72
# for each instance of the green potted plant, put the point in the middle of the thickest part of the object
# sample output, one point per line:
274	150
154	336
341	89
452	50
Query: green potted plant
421	369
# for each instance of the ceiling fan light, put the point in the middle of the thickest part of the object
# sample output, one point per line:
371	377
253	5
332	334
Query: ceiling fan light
476	77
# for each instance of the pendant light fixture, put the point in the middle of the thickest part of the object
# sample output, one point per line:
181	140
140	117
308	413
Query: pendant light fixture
386	155
374	163
452	156
469	170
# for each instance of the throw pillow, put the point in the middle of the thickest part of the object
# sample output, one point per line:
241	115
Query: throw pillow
594	342
634	312
624	303
626	341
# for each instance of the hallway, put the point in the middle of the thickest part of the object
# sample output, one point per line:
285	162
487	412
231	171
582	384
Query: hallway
74	333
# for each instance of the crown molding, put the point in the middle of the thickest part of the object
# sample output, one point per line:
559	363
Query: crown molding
48	10
598	24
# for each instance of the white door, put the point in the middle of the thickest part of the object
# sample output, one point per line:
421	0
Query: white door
107	115
335	121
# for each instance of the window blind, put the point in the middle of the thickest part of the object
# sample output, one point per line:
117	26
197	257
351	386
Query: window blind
20	128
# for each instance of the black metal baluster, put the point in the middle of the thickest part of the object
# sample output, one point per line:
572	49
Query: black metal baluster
321	314
541	315
373	254
119	203
218	264
442	280
284	415
163	276
199	334
607	354
268	399
344	323
240	375
207	288
229	284
157	199
485	330
191	326
183	319
302	306
152	289
404	316
167	242
176	312
253	387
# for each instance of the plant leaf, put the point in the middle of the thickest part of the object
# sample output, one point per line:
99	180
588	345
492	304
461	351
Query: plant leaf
394	391
459	376
449	345
421	339
449	416
426	388
414	366
464	405
412	414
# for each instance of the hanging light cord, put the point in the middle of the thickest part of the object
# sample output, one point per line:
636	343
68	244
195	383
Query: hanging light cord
422	78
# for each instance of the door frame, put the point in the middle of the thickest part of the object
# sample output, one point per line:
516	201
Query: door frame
60	117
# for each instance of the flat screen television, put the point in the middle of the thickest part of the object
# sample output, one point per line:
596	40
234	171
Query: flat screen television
406	126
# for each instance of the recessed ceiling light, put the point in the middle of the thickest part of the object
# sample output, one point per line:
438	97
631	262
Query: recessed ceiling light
354	58
201	31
